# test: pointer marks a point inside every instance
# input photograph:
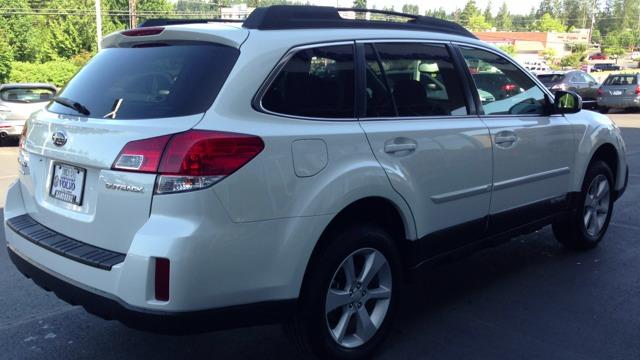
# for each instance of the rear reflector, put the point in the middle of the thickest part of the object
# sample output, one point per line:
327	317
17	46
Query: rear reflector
162	279
143	31
141	155
191	160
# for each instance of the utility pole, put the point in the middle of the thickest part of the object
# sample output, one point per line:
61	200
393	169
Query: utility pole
98	23
593	20
133	19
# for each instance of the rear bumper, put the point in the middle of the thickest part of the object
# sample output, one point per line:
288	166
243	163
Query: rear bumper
619	102
162	322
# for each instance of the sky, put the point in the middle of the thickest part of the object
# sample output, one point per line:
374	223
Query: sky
515	6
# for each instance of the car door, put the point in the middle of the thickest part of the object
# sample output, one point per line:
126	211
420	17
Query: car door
437	154
533	151
590	93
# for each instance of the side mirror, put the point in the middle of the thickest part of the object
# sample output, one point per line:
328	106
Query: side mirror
567	102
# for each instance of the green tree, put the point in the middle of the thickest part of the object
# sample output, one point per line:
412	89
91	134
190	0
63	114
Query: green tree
478	23
549	55
470	10
508	48
612	47
439	13
6	57
503	19
360	4
549	24
411	9
488	15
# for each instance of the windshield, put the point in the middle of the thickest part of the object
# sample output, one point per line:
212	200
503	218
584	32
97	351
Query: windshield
150	81
549	78
27	94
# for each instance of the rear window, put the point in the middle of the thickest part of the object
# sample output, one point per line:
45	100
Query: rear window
150	81
549	78
27	95
621	80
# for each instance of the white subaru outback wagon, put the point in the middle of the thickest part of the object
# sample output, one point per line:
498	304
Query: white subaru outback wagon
295	168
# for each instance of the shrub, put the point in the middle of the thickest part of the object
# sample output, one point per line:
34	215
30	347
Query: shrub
56	72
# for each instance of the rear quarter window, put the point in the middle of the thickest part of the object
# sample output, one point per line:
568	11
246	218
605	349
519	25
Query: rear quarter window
150	81
317	83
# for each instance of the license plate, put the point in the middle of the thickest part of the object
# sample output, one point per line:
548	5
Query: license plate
616	92
67	183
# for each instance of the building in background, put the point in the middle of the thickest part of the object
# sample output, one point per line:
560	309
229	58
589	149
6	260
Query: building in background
531	44
236	12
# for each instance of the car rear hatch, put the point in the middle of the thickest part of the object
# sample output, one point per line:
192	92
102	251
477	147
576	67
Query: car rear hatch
153	86
620	86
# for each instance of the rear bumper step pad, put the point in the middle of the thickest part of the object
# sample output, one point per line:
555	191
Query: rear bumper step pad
28	228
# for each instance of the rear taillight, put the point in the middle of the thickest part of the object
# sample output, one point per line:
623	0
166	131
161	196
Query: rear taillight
637	90
190	160
600	92
143	31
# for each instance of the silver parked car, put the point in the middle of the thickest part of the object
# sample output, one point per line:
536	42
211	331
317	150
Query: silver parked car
18	102
620	91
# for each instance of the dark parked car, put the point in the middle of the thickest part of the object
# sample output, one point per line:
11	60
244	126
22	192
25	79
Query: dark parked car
578	81
606	67
620	91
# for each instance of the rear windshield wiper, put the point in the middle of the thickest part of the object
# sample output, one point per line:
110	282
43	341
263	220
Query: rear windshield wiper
72	104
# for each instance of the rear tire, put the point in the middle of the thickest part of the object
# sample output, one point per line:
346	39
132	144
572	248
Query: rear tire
344	311
587	223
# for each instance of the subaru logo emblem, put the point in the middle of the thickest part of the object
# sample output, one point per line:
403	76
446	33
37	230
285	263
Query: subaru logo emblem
59	138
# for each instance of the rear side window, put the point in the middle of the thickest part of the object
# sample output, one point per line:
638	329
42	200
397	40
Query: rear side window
409	79
150	81
621	80
315	83
27	95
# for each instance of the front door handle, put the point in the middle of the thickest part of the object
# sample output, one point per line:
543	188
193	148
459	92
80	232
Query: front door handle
399	145
506	138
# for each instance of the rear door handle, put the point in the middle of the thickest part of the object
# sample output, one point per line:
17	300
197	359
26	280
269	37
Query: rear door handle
506	138
400	145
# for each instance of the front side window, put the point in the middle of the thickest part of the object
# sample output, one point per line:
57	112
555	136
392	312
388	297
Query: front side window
27	94
411	79
504	89
316	83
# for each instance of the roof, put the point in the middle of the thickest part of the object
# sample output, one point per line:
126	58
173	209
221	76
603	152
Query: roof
287	17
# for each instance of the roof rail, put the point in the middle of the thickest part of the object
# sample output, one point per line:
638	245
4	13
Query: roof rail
281	17
165	22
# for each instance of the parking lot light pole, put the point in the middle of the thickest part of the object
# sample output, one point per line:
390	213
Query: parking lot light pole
98	23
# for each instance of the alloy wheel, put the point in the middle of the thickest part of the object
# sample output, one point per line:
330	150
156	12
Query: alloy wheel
358	297
596	205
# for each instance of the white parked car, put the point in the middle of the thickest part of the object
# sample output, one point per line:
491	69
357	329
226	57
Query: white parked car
295	168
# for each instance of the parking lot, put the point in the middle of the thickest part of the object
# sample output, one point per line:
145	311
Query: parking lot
528	299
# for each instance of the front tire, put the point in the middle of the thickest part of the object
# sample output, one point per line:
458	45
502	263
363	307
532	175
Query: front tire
349	295
587	223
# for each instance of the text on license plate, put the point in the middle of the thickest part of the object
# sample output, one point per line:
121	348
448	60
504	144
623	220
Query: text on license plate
67	183
616	92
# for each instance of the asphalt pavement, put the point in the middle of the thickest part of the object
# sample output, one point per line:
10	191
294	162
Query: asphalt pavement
527	299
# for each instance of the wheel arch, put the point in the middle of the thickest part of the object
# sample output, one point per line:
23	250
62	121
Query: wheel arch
376	209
